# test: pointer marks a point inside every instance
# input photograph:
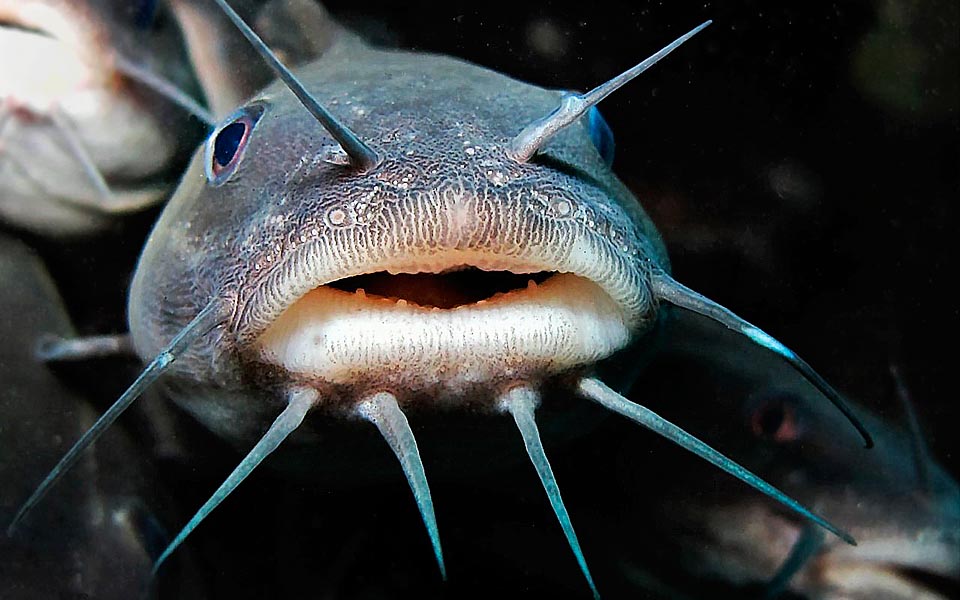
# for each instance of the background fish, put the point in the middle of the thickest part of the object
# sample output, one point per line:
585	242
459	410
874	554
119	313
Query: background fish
899	503
83	137
99	538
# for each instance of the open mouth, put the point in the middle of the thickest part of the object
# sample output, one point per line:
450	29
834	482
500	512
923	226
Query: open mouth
444	333
446	290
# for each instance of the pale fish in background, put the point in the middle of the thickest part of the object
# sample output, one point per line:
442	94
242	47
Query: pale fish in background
93	122
902	507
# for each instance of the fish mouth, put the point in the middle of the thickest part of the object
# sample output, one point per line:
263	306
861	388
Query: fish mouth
449	321
449	334
446	290
922	561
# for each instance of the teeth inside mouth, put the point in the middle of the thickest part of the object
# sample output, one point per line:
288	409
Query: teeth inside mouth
446	290
443	333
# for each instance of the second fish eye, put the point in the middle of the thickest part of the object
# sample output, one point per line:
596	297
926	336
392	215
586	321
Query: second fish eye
775	418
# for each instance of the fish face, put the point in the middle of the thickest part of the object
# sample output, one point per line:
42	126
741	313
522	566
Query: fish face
70	117
445	272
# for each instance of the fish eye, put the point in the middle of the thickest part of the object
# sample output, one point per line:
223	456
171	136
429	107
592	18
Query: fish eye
225	146
601	135
775	418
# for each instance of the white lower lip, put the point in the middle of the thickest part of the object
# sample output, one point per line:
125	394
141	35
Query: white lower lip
345	338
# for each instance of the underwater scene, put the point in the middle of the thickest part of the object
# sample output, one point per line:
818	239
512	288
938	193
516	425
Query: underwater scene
478	300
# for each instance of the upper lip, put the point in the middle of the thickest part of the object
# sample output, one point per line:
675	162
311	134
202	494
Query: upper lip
310	263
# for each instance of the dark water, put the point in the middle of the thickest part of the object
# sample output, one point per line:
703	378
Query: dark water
801	162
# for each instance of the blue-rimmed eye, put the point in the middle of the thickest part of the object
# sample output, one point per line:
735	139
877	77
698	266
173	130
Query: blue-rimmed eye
225	147
601	135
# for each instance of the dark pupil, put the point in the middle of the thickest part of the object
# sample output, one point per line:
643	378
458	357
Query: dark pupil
228	140
770	419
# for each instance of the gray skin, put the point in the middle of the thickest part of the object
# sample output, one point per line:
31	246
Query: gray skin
70	79
96	538
902	506
292	217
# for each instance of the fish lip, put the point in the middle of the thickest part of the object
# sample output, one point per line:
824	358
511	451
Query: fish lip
931	569
308	265
599	298
935	581
348	343
877	557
